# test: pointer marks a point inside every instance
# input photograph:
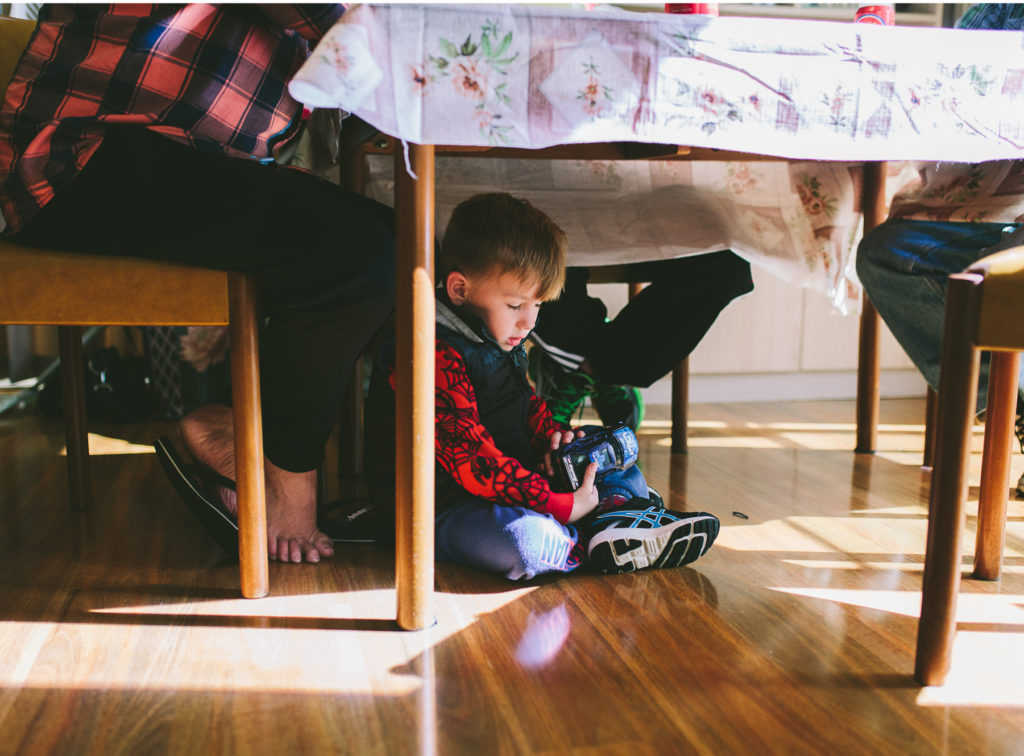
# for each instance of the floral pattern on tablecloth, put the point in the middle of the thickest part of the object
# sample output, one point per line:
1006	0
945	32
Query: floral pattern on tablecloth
590	83
341	68
795	89
983	192
535	76
628	211
477	71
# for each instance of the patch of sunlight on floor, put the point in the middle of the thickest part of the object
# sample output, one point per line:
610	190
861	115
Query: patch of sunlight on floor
994	609
899	443
986	670
663	426
843	427
822	441
907	511
847	564
814	535
907	456
351	646
101	445
734	442
769	535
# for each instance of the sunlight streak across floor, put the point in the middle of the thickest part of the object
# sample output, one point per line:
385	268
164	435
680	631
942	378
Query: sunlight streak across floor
345	643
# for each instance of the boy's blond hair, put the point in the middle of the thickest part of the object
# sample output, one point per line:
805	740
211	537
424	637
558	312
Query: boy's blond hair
492	234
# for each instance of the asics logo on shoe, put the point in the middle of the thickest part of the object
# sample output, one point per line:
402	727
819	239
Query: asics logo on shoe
635	539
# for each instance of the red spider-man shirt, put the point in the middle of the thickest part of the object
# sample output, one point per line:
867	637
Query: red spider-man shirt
467	451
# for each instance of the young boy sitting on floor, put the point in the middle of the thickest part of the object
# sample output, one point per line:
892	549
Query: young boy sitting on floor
495	507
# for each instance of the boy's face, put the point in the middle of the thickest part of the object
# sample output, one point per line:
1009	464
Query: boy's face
507	304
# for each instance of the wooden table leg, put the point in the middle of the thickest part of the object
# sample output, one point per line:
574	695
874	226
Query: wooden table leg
873	206
995	465
414	387
248	424
680	393
680	406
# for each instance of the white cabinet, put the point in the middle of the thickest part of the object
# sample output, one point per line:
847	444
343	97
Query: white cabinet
780	342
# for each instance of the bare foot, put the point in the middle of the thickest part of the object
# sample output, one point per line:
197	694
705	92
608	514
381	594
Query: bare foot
292	535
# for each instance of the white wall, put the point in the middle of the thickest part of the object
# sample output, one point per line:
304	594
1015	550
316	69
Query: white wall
779	342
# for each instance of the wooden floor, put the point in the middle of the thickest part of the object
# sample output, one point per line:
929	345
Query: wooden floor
121	629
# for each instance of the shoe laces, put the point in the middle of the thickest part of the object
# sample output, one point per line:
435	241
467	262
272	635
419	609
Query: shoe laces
568	390
606	393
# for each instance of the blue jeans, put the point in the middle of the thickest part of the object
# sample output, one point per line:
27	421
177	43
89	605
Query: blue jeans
518	542
904	266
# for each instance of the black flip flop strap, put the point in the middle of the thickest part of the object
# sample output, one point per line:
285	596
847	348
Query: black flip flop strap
207	476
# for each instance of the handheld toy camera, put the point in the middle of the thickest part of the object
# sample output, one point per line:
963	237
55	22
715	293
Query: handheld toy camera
613	448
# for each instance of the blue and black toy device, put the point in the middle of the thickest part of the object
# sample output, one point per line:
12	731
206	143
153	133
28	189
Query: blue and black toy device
613	448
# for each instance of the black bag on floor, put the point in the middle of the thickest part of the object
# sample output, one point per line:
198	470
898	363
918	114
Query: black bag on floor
117	389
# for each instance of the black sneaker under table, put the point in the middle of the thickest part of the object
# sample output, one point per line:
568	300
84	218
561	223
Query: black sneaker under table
564	391
618	404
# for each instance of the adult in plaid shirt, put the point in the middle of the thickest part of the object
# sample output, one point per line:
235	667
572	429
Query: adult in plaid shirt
150	130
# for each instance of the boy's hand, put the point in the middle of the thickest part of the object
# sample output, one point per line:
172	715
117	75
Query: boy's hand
557	439
585	497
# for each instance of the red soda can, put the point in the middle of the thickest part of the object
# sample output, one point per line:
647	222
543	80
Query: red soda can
883	15
706	9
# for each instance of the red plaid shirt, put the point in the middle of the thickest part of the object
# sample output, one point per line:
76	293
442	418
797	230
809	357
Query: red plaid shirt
211	76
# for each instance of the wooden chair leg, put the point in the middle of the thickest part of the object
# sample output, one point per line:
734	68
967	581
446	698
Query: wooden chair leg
958	389
350	428
72	377
931	408
680	405
19	351
248	423
321	485
995	465
352	175
414	388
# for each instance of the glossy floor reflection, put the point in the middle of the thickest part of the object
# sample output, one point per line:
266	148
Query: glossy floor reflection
122	630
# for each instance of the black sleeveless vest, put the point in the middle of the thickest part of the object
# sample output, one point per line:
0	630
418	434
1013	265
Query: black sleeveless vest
502	395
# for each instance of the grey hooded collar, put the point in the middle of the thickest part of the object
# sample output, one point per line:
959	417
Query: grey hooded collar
446	317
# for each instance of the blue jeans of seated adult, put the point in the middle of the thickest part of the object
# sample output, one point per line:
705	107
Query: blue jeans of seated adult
904	266
518	542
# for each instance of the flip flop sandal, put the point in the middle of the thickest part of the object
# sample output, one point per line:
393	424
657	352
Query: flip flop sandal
349	521
344	521
194	484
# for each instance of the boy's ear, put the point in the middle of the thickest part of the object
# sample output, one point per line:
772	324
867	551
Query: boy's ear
456	286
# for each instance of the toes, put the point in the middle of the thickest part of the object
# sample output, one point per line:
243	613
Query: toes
285	551
298	550
323	544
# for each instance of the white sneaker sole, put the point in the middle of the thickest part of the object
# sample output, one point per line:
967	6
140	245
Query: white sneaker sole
655	547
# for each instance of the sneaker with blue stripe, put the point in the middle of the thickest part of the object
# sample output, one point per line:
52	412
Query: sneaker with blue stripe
640	535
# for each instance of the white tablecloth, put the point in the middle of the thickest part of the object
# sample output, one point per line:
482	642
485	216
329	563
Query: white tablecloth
530	76
799	221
